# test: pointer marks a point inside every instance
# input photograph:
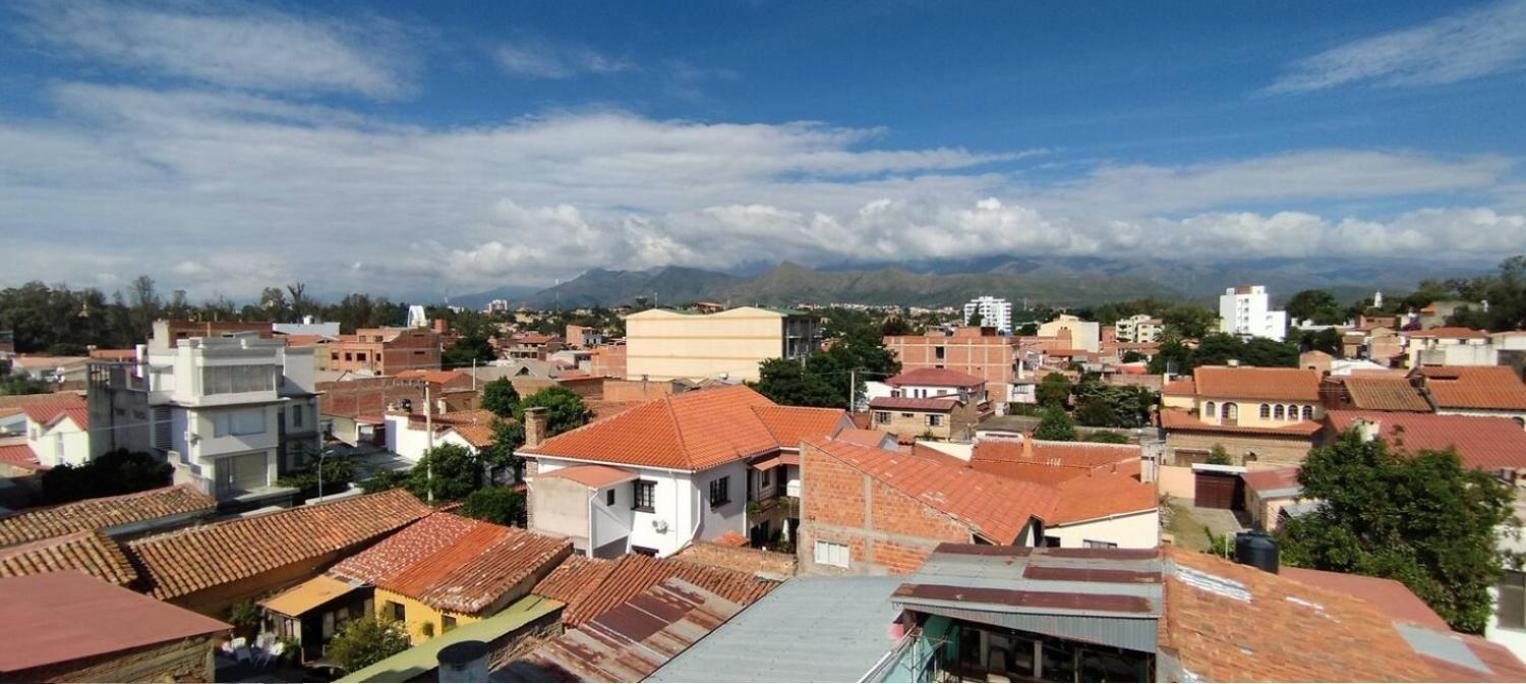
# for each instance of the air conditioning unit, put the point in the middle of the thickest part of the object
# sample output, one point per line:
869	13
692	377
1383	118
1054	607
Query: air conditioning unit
660	525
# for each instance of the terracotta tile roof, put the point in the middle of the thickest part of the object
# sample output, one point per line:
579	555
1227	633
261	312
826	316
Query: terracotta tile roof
403	548
1077	454
1047	475
864	436
45	412
573	580
1100	494
924	451
114	354
1385	393
730	551
96	514
20	456
592	476
1266	480
480	569
186	561
791	424
1182	387
73	619
691	431
1458	333
88	552
1482	443
433	377
996	508
1243	382
1283	630
1474	387
1390	596
935	377
635	573
1176	419
909	404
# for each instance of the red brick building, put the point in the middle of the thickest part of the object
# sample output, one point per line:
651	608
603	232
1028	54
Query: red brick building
976	351
384	351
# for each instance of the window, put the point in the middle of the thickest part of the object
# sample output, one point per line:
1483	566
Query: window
1278	413
396	611
881	416
296	415
609	498
1511	610
1094	544
243	473
235	379
644	495
238	423
1231	411
1208	410
1266	411
908	415
1052	542
831	553
934	420
720	491
1308	413
766	479
938	353
447	623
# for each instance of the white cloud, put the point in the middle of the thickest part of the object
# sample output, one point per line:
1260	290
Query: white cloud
220	193
529	57
228	45
1455	48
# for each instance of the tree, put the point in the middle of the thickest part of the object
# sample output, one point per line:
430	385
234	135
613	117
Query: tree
508	437
1268	353
1132	356
787	382
1106	437
1053	391
1189	321
500	397
467	350
22	384
338	471
497	505
1318	306
895	325
451	471
565	410
976	320
1055	426
822	379
365	641
114	472
1421	518
1217	349
1326	340
1173	357
1218	455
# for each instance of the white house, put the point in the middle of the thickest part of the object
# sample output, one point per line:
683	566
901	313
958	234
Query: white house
1139	328
994	313
408	433
1246	311
688	467
58	432
230	413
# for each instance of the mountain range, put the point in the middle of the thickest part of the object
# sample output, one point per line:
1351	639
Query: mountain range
1053	281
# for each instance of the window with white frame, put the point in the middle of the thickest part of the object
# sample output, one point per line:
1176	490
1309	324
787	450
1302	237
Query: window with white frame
831	553
235	379
239	423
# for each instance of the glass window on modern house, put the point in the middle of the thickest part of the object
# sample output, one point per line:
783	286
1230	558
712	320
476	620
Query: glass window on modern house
720	491
644	495
242	473
236	379
831	553
239	423
1511	611
396	611
296	415
1308	413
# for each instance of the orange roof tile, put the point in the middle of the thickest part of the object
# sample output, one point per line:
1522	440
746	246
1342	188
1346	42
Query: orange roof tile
996	508
593	476
480	569
1244	382
864	436
433	377
692	431
88	552
403	548
791	424
573	580
1390	596
1482	443
1181	387
1099	494
935	377
1076	454
1453	332
106	512
190	560
632	574
20	456
45	412
1385	393
1264	480
1475	387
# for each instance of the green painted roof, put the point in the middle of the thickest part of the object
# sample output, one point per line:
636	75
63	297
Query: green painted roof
425	657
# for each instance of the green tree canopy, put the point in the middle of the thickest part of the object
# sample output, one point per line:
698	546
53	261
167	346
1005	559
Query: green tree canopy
565	410
1420	518
788	382
1121	406
1189	321
1055	426
112	473
1053	391
365	641
1318	306
500	397
468	349
451	471
822	379
497	505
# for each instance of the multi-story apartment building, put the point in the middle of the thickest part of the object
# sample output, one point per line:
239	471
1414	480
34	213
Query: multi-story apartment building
1085	335
667	345
384	351
1247	311
230	414
993	358
994	313
1139	329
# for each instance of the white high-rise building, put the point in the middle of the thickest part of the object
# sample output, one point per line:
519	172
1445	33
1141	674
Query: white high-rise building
994	313
1246	311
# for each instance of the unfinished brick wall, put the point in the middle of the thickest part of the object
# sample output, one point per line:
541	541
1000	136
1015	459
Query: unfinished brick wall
186	660
887	532
1185	448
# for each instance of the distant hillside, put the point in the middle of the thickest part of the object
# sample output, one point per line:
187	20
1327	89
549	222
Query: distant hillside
599	287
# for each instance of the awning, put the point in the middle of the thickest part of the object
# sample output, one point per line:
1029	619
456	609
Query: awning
776	461
308	595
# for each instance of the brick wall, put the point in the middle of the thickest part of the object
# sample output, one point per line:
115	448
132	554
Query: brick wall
987	357
886	531
186	660
1279	449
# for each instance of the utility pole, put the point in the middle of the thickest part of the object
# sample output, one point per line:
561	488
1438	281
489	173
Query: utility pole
429	432
852	389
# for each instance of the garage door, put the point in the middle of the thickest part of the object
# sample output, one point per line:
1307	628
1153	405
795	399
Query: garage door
1218	490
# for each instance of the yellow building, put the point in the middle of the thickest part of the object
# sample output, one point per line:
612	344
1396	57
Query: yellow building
661	344
446	571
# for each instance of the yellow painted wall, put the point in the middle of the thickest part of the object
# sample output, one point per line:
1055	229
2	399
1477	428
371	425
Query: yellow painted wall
665	345
1250	412
417	614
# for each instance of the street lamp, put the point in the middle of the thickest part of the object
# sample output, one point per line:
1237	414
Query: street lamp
321	454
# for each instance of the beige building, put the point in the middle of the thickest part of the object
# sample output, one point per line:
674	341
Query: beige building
667	345
1083	334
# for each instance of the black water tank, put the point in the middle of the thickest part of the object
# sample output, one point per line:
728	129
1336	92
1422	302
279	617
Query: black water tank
1256	549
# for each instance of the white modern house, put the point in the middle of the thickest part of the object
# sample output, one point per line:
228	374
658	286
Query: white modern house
408	434
58	432
688	467
994	313
1247	311
1139	328
230	413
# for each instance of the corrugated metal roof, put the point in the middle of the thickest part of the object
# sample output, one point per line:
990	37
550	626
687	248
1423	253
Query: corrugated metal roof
1137	634
1114	583
810	629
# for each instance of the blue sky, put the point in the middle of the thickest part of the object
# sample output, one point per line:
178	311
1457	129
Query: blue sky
410	147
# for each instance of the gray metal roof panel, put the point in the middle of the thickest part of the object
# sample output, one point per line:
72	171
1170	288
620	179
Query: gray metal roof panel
1433	644
1138	634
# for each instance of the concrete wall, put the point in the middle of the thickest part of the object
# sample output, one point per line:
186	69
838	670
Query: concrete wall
561	508
1133	531
1176	481
664	345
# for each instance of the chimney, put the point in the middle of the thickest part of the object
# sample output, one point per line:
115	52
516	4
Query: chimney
463	661
535	426
1368	429
1258	550
439	325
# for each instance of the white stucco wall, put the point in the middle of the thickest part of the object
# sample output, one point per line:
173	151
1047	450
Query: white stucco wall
66	443
1133	531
